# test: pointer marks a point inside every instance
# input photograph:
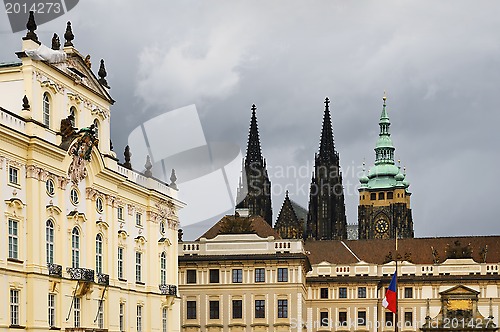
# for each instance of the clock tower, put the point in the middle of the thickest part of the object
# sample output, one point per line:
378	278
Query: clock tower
384	199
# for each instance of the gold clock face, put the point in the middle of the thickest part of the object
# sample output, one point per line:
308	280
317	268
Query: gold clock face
381	226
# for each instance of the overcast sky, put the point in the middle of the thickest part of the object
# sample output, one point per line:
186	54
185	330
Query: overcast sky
438	61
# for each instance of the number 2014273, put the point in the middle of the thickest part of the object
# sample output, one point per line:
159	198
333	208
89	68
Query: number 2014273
41	7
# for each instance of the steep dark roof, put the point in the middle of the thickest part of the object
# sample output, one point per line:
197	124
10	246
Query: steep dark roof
300	211
418	250
258	225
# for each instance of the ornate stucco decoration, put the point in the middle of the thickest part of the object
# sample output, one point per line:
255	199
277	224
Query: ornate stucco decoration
81	151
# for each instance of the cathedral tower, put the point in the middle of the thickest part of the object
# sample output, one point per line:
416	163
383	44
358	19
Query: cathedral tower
326	219
384	200
254	194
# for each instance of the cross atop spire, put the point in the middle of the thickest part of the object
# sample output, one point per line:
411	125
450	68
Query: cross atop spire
254	153
326	145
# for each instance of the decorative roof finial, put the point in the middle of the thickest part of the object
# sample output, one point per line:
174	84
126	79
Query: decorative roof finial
56	42
173	178
68	35
148	167
404	170
327	102
384	98
127	155
254	108
102	75
286	193
26	104
31	26
364	164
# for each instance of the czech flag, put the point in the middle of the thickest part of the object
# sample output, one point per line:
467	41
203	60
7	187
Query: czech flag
390	299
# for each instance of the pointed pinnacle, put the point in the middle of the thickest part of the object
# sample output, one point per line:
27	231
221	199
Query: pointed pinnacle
68	35
31	26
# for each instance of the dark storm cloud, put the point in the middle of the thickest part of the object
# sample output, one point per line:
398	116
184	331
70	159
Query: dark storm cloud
438	61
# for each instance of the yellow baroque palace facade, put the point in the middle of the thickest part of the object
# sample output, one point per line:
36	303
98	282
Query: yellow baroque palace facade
88	244
250	279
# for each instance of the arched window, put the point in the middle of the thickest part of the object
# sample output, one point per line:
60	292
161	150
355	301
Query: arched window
49	241
98	253
96	128
163	268
46	109
75	248
72	112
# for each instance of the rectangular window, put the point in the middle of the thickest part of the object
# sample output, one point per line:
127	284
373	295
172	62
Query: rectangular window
164	319
119	213
138	219
390	195
282	308
138	259
237	276
14	307
13	239
122	317
76	312
361	292
214	276
52	310
100	315
237	309
191	309
13	175
343	318
408	292
214	309
324	318
120	263
342	292
139	318
362	318
191	276
324	293
373	196
408	318
381	196
282	274
389	318
260	309
260	275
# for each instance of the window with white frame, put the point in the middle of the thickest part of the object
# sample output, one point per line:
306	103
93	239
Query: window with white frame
122	317
163	268
120	263
164	319
96	128
46	109
13	239
50	187
119	213
14	307
49	241
72	112
76	312
52	309
13	175
98	253
100	315
138	260
99	205
138	219
139	318
75	248
73	196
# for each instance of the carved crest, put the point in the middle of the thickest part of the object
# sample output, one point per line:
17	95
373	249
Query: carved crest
81	152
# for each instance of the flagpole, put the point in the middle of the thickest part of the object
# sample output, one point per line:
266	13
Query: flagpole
397	293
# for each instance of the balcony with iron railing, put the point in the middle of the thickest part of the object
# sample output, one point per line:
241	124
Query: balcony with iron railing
55	270
81	274
168	289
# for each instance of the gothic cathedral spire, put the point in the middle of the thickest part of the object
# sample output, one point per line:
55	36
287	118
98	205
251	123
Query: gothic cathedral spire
384	200
326	219
254	192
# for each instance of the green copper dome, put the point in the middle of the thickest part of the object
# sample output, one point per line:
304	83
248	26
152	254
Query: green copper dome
384	174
